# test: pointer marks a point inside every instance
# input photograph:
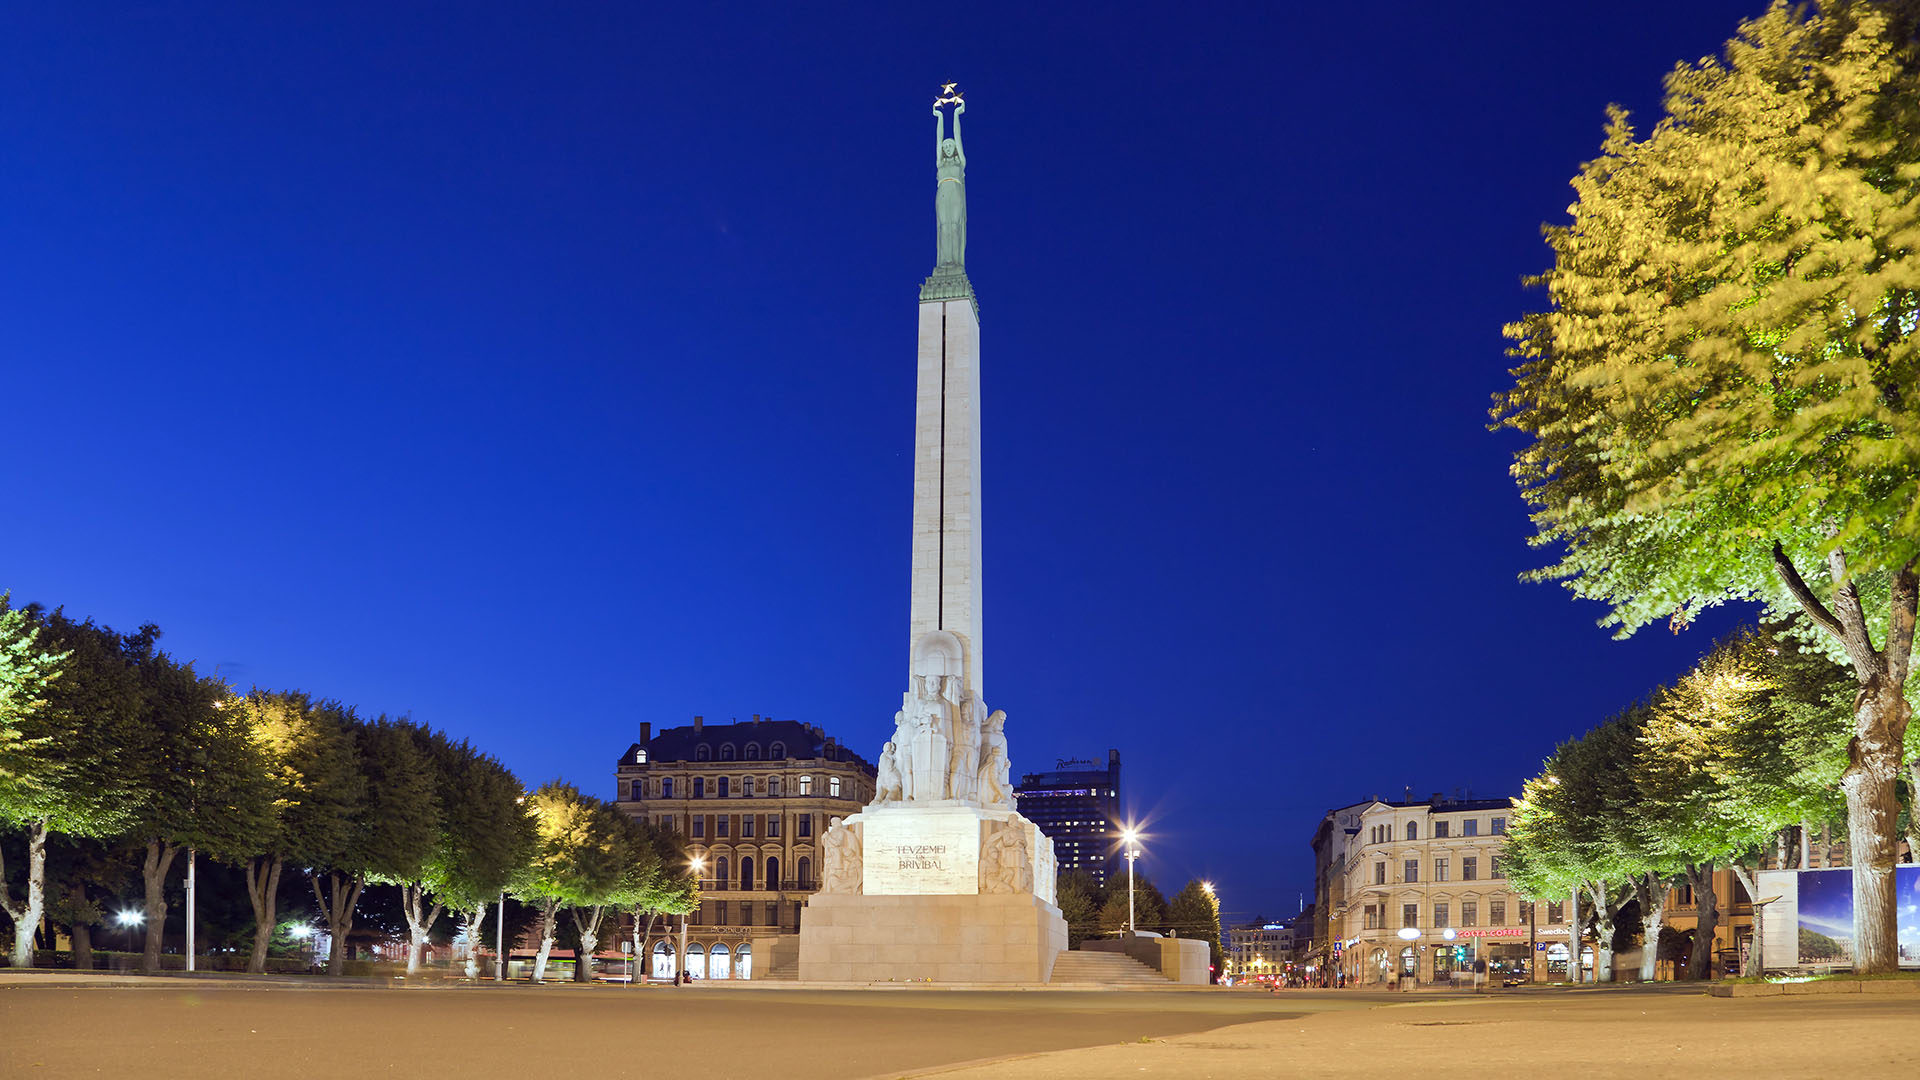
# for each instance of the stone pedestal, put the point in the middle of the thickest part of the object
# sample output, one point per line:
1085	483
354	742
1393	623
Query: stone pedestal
947	891
993	938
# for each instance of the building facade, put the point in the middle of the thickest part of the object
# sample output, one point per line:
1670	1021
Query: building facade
1260	952
1421	897
750	800
1078	805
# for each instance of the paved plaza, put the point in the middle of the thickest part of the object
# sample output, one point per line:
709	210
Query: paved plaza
182	1028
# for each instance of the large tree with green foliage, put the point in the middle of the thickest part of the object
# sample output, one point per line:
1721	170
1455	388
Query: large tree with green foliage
485	836
1194	912
391	835
578	859
29	762
200	774
1079	899
70	749
1721	395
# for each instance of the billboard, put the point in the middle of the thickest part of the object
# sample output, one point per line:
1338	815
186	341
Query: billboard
1811	924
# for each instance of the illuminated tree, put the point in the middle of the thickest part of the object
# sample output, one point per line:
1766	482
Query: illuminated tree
1195	912
30	784
1721	396
485	836
578	860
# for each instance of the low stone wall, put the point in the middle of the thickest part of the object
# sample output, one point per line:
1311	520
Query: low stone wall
988	938
1909	987
1181	960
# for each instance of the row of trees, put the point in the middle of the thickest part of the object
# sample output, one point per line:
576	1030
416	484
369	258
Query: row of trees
1721	396
125	755
1725	767
1095	910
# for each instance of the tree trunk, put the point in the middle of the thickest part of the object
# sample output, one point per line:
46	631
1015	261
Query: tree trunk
1700	963
1603	912
1756	958
82	931
589	941
26	914
1875	754
1653	912
642	946
1576	937
154	869
476	938
263	891
336	906
549	910
1806	845
420	920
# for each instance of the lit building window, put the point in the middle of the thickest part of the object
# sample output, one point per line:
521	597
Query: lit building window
640	756
833	787
806	785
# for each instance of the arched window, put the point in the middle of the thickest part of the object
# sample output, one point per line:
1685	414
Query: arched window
773	872
777	751
701	753
743	961
640	755
806	785
753	752
804	873
746	872
662	960
720	873
726	751
718	961
697	960
833	787
1409	963
1413	830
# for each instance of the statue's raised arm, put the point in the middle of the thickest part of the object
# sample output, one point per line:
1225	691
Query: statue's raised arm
958	146
950	193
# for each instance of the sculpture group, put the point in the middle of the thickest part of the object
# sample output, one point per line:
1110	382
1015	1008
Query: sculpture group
946	744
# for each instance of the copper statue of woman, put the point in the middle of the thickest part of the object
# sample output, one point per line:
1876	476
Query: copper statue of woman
950	194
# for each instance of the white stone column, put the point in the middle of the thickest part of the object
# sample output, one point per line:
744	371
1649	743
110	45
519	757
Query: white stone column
946	592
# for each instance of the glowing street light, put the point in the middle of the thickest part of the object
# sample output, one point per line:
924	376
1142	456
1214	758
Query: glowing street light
130	917
696	864
1131	837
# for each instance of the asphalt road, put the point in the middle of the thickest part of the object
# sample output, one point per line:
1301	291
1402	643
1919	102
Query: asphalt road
170	1028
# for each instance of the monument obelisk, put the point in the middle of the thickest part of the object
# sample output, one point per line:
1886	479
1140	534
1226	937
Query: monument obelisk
940	878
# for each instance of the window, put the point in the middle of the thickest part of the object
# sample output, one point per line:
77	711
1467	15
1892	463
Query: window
773	882
746	882
1413	830
666	787
1440	916
806	785
1469	869
1369	915
773	788
699	787
773	914
720	879
1496	913
1413	871
701	753
699	825
640	755
773	825
726	751
666	823
638	790
833	787
1499	826
746	824
777	751
1441	829
1496	871
803	871
720	786
746	786
1410	915
805	825
1469	913
753	752
1379	873
1556	911
1470	827
1440	870
725	822
746	909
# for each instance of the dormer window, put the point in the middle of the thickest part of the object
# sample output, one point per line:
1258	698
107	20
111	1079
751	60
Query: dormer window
726	751
753	752
701	753
777	751
640	756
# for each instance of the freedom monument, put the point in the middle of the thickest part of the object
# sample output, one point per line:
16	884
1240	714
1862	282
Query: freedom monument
940	878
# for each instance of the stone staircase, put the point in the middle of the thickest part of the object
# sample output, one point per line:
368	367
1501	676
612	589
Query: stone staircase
1105	969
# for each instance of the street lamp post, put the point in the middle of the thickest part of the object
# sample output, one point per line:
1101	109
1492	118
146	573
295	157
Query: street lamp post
698	864
1131	837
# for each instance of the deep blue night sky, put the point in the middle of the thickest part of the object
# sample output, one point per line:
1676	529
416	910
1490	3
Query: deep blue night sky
541	370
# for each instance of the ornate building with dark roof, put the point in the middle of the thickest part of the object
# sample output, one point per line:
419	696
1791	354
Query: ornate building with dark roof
750	800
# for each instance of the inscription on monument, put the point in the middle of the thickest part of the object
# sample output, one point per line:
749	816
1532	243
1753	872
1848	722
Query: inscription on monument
912	852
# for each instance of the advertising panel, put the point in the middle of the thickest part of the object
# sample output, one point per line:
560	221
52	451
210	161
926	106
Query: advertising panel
1811	924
